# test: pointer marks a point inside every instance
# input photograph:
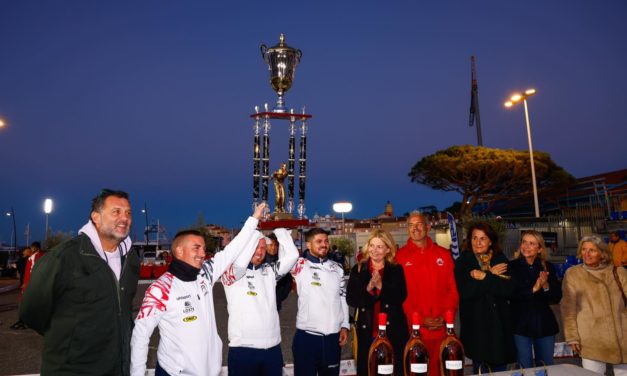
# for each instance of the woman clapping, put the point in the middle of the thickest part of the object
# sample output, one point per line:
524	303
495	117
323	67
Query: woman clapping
536	287
377	284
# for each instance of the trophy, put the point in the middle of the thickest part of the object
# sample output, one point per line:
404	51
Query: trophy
282	61
292	172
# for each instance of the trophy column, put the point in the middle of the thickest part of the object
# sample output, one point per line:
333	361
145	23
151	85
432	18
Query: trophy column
290	164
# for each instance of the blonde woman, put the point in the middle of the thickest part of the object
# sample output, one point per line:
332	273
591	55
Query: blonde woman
593	308
377	284
535	288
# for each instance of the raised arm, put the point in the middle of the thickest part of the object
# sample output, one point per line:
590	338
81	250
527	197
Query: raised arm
244	243
288	253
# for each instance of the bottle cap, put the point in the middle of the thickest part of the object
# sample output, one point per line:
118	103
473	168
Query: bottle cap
415	319
449	317
383	319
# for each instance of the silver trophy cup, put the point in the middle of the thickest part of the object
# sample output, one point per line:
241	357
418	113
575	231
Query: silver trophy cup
282	61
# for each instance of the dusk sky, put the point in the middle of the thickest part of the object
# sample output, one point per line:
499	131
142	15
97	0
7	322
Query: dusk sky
154	97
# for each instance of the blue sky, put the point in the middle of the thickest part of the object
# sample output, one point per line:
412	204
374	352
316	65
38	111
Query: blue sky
154	97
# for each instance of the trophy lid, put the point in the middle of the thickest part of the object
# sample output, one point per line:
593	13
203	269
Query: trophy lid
282	46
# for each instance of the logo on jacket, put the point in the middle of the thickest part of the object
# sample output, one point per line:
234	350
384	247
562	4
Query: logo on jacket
203	288
189	318
188	307
408	263
251	287
439	261
315	278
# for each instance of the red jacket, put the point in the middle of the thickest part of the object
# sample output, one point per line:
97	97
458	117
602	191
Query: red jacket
29	267
431	288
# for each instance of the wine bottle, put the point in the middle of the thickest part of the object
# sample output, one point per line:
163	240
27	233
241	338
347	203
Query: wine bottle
451	350
381	354
415	357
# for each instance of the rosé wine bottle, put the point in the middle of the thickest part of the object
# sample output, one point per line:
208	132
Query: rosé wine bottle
381	354
451	350
415	357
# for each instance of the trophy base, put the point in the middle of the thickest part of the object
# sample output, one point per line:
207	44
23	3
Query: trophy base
282	216
285	223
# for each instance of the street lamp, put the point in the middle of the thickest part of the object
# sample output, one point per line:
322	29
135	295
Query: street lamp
517	98
47	210
2	123
14	235
342	207
145	212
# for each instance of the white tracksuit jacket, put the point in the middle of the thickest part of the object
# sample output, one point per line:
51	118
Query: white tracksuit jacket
321	287
184	312
251	297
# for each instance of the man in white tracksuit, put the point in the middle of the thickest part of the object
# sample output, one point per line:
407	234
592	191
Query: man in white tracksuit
322	318
180	302
254	330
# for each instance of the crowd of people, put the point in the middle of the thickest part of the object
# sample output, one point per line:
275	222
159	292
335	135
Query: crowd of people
79	297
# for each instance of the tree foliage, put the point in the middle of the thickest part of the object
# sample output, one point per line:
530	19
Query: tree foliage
485	174
344	245
54	239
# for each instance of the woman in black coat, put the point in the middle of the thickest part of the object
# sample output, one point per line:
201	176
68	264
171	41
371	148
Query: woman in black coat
484	306
377	284
536	287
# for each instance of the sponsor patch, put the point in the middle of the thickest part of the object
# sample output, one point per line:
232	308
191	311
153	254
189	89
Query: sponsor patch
439	261
251	293
189	318
188	307
316	283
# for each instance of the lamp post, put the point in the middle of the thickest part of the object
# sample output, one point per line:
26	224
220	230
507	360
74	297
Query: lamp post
47	210
517	98
342	207
2	123
145	212
14	235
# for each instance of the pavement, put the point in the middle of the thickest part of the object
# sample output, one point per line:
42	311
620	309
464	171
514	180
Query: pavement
20	350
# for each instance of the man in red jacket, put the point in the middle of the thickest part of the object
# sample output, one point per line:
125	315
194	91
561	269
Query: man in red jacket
431	288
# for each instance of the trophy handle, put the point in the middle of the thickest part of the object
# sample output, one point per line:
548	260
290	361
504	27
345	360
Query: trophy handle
263	49
299	55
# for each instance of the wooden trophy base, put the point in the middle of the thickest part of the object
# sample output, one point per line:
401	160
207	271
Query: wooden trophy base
285	220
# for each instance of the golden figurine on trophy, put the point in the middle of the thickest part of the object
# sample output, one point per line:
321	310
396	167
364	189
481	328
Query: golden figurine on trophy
278	177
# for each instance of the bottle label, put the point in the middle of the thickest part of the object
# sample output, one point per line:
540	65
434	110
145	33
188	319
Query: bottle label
415	327
453	364
385	369
418	367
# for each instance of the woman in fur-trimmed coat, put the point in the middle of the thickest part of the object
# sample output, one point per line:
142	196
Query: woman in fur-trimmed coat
593	310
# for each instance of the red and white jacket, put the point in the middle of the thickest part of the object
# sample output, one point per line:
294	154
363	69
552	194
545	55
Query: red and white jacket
184	312
321	287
